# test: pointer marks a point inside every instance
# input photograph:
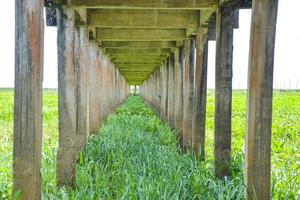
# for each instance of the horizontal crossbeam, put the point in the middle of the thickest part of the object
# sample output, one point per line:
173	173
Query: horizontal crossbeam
133	4
124	18
138	34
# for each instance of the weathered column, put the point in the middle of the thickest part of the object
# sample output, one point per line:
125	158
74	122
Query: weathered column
29	50
259	102
223	91
188	91
178	122
171	91
200	92
66	154
82	89
161	91
94	89
164	98
104	84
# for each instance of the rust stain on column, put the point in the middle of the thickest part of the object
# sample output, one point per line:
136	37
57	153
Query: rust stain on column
27	137
259	100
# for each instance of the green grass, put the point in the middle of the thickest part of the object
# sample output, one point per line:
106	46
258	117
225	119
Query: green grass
135	156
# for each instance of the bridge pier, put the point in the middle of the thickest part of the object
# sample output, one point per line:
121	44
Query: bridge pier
27	138
223	91
259	100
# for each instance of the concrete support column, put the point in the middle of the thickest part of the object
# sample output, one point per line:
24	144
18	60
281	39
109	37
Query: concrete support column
178	122
188	89
200	92
259	101
27	139
223	92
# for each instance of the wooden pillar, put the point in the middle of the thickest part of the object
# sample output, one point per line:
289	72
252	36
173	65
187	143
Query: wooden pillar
66	154
94	91
164	91
160	91
104	84
188	89
29	50
223	91
82	89
171	91
178	122
259	101
200	92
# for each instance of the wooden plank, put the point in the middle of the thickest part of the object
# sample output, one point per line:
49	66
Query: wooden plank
137	44
130	4
223	92
139	34
141	18
259	101
188	89
66	154
200	92
27	138
179	62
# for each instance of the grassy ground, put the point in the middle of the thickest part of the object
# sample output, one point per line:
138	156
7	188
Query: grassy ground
135	155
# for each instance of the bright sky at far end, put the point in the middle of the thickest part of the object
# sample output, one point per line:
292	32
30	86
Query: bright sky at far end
287	51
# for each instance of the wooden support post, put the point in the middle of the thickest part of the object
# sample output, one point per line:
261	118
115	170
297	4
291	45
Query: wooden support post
179	63
164	97
259	102
188	89
171	91
200	92
27	138
94	89
104	87
161	91
82	89
66	154
223	92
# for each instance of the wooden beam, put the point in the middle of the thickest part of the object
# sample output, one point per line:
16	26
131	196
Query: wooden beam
138	59
137	44
179	63
137	51
66	154
134	56
259	102
200	92
141	18
27	138
134	34
223	93
171	96
82	90
188	89
95	74
134	4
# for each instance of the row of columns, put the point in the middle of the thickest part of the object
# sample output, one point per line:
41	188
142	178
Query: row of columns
177	91
89	88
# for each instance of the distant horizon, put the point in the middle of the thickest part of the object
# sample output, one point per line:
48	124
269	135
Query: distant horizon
286	63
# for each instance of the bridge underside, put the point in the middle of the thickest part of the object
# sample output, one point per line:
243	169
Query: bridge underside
162	45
